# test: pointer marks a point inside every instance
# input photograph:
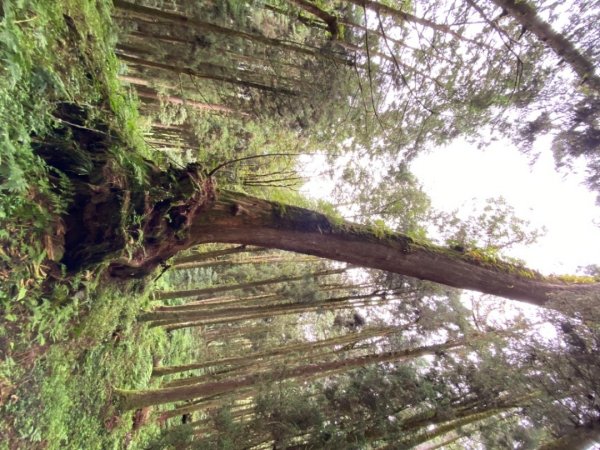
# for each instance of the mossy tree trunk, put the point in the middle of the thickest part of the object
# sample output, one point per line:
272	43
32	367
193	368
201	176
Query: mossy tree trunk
181	209
238	218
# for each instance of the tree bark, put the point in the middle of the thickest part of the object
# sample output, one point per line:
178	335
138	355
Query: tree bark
242	219
329	19
198	257
235	287
140	399
287	349
212	28
194	318
273	260
527	16
402	16
221	75
238	218
579	438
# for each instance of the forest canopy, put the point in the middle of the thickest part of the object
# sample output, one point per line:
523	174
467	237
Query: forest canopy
166	285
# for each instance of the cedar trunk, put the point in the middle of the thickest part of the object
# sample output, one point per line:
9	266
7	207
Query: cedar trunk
182	209
242	219
142	398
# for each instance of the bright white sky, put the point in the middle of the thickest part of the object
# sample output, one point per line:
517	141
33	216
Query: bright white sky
460	176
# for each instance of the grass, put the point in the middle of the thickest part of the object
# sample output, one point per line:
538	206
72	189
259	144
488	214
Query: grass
65	341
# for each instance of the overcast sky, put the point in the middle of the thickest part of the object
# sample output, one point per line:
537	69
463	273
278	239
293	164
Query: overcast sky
459	174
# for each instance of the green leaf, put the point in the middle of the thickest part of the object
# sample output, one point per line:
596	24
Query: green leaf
22	293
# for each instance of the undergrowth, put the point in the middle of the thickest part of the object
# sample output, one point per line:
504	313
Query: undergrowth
65	341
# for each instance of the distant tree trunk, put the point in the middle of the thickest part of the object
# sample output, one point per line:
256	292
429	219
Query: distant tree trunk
287	349
235	287
212	28
250	261
139	399
264	313
162	318
579	438
447	427
329	19
526	15
222	75
403	16
198	257
217	301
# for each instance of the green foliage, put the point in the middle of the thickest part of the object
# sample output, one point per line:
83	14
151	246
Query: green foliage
486	233
67	341
64	342
65	399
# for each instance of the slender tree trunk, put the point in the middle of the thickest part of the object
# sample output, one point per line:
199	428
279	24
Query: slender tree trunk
288	349
448	427
227	316
227	332
216	401
212	28
235	287
407	17
222	76
198	257
253	261
143	90
219	301
451	437
139	399
200	313
526	15
578	438
329	19
253	60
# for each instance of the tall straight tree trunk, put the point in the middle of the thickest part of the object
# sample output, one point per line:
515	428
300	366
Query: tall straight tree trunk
212	28
143	90
447	427
211	302
329	19
250	261
215	402
402	16
287	349
222	76
235	287
258	313
227	332
199	257
526	15
203	312
142	398
577	438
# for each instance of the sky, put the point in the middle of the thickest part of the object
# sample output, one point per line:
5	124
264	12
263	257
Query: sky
460	176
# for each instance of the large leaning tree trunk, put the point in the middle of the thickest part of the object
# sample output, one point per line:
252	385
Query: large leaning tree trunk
180	208
238	218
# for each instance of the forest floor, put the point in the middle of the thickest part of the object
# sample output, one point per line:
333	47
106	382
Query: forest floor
65	341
